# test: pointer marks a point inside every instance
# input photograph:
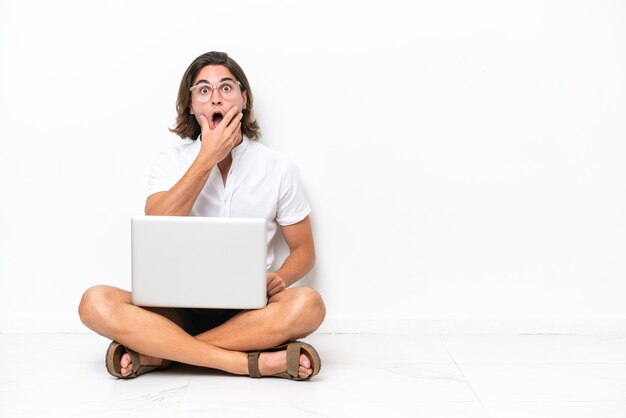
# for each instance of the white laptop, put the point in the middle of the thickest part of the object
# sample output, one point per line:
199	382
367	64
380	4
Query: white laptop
199	262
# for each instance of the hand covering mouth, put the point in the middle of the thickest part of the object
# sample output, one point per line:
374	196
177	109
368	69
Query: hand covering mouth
217	119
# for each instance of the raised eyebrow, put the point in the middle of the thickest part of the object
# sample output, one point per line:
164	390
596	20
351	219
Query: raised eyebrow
207	81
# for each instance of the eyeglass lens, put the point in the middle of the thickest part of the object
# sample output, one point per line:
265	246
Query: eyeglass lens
203	92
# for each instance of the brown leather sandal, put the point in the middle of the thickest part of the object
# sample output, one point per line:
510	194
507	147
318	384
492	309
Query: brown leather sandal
114	356
294	349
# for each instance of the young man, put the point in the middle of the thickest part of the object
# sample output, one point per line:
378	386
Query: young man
223	172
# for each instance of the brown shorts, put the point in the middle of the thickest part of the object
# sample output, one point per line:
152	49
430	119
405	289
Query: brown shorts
197	321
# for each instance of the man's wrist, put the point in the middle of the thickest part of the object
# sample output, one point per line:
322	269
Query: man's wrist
204	163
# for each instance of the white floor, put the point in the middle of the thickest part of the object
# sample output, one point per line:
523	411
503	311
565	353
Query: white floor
63	375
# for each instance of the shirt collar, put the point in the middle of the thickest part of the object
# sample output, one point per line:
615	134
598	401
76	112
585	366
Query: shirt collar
241	148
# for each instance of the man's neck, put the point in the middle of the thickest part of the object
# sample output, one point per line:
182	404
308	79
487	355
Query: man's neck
225	164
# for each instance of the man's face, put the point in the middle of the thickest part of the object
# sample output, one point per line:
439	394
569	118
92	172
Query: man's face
215	92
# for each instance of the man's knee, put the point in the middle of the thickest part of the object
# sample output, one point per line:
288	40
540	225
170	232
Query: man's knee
96	306
307	308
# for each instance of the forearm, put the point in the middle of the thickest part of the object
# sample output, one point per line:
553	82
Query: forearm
299	262
179	200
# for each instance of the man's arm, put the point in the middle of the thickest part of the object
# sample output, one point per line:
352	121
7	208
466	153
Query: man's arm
299	238
216	144
179	200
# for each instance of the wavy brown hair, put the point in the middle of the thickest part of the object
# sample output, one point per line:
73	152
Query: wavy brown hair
186	124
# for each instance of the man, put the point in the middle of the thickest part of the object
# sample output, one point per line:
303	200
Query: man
223	171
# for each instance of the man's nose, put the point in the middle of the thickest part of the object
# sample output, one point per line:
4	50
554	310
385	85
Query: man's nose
216	98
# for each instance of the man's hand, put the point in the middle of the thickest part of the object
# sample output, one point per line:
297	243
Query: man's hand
219	141
275	284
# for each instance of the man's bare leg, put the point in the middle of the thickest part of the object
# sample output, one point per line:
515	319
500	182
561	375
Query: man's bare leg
291	314
108	311
258	329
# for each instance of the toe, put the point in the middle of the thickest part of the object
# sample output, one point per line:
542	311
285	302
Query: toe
305	361
126	365
303	372
125	361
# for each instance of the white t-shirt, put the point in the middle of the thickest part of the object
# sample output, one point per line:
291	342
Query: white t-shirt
261	183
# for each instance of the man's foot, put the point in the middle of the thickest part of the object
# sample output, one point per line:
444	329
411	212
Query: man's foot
275	362
294	360
269	363
126	363
120	361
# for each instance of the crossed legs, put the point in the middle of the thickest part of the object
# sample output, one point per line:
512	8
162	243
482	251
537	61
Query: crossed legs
156	333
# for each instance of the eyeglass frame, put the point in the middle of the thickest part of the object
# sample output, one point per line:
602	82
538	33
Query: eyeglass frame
214	88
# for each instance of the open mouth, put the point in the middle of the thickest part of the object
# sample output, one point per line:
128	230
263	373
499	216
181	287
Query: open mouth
217	119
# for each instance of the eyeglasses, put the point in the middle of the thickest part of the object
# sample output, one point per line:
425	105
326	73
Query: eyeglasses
203	92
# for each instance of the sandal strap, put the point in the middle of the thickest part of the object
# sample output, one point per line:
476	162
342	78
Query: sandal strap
143	369
139	369
293	359
253	364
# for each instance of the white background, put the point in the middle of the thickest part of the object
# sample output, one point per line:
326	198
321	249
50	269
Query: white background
464	160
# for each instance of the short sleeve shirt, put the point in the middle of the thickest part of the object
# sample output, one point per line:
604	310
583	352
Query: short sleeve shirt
261	183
